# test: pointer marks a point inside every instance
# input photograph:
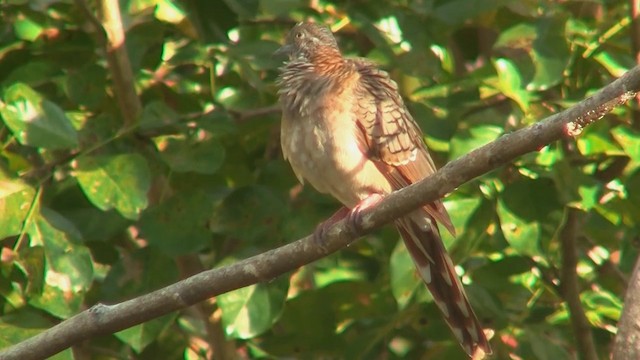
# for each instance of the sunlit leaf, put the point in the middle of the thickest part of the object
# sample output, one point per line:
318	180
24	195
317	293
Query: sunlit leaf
116	182
464	141
16	198
252	310
69	269
36	121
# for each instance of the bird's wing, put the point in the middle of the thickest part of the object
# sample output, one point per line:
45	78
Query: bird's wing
392	139
390	136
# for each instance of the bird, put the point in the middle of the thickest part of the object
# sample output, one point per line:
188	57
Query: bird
347	132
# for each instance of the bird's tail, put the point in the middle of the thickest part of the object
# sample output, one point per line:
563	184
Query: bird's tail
422	239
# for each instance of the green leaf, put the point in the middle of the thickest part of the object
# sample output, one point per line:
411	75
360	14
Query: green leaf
510	83
457	11
280	7
596	143
545	346
243	8
602	304
36	121
251	311
27	29
31	261
466	140
157	114
179	225
404	279
21	325
248	213
629	139
545	42
140	272
529	213
86	86
550	53
33	73
16	199
348	318
575	187
615	65
471	217
169	11
69	267
140	336
199	152
117	181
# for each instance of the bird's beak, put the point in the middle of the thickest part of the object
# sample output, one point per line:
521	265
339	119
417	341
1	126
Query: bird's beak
285	49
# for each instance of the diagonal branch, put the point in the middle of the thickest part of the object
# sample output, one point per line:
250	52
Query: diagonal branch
105	319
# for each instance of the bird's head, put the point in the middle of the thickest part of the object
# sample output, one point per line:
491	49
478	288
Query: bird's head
306	39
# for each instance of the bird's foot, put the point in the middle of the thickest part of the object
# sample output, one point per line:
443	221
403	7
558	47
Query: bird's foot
353	218
321	230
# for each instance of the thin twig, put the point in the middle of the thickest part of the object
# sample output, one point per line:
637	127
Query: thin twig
570	286
634	35
251	113
119	64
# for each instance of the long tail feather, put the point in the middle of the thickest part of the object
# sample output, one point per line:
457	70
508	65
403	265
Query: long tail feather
422	239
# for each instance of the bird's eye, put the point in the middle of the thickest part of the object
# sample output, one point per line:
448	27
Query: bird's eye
299	35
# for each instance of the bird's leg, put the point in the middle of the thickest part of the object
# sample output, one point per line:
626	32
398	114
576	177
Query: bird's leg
322	228
354	217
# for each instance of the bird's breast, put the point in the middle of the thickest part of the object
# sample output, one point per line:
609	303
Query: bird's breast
321	143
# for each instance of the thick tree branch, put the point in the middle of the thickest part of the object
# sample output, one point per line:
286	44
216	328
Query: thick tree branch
105	319
627	344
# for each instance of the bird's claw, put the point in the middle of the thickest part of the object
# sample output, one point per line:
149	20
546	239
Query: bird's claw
353	219
319	235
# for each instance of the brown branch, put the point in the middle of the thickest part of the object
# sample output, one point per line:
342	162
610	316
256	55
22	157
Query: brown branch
119	64
106	319
244	115
634	35
570	286
627	343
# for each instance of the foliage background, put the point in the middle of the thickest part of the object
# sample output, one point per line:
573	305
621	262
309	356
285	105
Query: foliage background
95	207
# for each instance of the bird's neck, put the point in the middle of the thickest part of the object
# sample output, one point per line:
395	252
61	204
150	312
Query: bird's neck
327	60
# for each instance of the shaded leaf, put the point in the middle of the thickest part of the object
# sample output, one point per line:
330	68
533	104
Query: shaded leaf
197	153
404	279
179	225
526	209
